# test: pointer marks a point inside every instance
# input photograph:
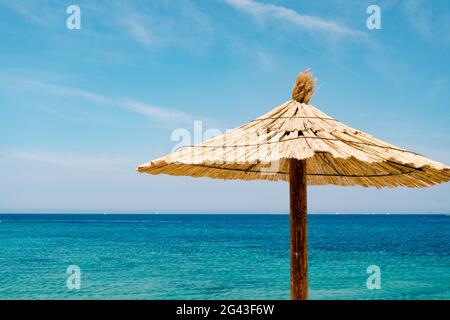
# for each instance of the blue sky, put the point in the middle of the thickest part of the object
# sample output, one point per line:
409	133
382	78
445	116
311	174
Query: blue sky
80	109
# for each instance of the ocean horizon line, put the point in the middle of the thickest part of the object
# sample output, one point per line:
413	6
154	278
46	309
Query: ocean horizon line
221	213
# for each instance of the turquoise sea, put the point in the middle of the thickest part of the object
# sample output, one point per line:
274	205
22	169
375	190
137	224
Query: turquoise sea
221	256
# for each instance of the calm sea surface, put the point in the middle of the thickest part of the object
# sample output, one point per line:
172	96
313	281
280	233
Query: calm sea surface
221	256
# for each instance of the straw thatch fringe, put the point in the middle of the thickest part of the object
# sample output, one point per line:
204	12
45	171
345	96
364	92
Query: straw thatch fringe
415	178
336	154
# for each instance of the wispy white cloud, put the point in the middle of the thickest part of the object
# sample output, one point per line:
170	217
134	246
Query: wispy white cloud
151	24
155	113
162	24
419	14
10	80
262	10
425	18
140	31
65	91
36	12
66	159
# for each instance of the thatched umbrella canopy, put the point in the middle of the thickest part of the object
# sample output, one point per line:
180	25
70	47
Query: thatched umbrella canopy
298	143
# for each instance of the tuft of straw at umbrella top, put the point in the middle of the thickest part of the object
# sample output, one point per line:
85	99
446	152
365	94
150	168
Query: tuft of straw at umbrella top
304	87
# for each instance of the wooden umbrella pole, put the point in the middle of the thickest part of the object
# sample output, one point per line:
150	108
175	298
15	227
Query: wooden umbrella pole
298	226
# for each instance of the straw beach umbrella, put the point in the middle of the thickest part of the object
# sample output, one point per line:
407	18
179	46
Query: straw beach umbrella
297	143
